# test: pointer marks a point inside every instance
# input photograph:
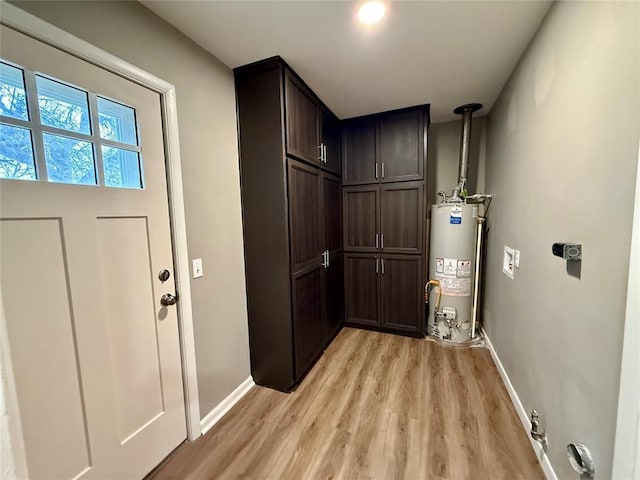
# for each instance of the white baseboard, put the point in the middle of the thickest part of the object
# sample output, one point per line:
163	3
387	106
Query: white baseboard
225	405
549	473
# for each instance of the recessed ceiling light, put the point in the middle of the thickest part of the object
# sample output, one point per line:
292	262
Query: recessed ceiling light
371	12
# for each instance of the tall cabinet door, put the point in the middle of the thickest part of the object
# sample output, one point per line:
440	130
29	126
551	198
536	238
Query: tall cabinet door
308	329
334	296
305	222
361	219
306	244
402	217
362	288
359	152
400	291
334	276
332	211
332	140
401	145
302	121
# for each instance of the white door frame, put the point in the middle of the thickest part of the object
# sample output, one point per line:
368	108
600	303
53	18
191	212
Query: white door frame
626	455
30	25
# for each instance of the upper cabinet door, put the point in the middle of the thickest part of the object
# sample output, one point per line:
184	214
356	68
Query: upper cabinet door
402	217
359	152
401	145
331	140
301	112
305	222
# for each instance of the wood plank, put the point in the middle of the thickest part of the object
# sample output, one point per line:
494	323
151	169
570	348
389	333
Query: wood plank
374	406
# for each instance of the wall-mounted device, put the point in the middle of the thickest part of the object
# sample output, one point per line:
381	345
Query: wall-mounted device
581	460
568	251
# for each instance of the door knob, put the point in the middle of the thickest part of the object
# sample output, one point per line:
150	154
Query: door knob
167	299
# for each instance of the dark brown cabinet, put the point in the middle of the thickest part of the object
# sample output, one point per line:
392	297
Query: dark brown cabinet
333	272
292	220
308	329
401	146
402	217
359	152
334	296
330	141
361	218
400	292
386	218
362	289
305	197
383	148
384	291
301	115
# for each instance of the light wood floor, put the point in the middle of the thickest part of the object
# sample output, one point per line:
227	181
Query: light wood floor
374	406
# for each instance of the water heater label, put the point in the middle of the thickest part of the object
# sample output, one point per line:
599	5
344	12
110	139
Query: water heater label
456	216
450	267
456	287
464	269
439	265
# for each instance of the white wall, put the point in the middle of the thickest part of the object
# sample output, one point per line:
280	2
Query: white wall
209	150
562	152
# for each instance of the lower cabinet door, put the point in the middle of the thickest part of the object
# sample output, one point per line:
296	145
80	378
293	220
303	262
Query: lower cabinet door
334	296
308	331
362	288
401	292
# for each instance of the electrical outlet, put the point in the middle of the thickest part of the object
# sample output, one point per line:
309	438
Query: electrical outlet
197	268
508	264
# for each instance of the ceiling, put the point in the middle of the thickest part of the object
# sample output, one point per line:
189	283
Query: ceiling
445	53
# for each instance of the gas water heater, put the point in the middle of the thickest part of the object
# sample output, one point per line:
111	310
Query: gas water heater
452	291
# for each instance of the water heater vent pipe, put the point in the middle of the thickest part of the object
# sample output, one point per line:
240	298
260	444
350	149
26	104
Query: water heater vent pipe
465	140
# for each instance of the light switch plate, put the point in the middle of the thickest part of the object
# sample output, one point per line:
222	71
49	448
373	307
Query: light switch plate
197	267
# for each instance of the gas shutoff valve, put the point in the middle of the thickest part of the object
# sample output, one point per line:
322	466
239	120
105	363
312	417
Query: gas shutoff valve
449	313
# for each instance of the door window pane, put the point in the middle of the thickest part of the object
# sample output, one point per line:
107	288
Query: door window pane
62	106
117	121
13	100
69	160
121	168
16	153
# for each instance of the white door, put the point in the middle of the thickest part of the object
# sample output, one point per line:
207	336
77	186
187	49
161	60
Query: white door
84	233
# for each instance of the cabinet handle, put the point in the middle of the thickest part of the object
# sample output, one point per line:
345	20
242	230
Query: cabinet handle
321	150
377	238
328	258
376	170
325	258
324	152
377	265
382	241
382	169
382	266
